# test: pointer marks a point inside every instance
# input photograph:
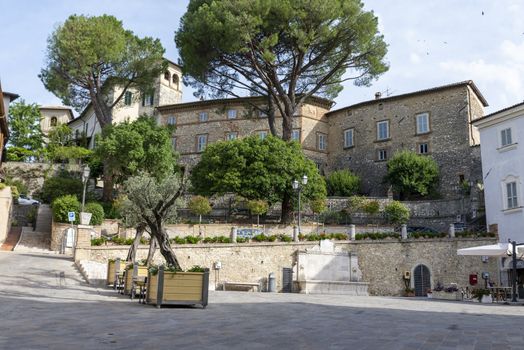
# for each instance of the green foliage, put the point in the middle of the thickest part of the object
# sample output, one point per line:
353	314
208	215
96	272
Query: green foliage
412	175
26	138
2	186
318	237
478	293
193	239
84	47
14	193
255	169
397	213
199	205
97	212
98	241
356	203
422	234
70	153
335	217
242	240
197	268
371	207
17	186
64	204
318	205
342	183
473	234
142	145
257	206
59	186
376	235
217	239
287	49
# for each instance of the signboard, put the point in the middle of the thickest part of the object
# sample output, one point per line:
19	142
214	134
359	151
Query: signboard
71	216
248	232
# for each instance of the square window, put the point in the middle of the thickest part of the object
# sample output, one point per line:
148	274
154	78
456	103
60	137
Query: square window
201	143
348	138
128	98
382	154
262	134
423	148
171	120
383	130
148	99
505	137
422	123
511	194
203	117
295	135
322	142
231	114
231	136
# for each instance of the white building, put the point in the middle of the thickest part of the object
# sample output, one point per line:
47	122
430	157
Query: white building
52	116
502	150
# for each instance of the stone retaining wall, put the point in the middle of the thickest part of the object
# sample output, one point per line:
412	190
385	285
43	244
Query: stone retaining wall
382	262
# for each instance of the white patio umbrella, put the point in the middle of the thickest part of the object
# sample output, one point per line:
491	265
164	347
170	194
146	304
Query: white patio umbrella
499	249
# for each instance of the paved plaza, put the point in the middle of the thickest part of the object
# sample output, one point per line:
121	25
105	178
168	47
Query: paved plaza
44	304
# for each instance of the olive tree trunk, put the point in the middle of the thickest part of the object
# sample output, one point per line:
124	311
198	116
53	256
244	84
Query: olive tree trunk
131	254
159	232
152	250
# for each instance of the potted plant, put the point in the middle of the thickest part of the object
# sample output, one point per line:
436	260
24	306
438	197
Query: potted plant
409	292
429	293
167	286
483	295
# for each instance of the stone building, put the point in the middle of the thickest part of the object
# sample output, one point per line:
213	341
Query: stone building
52	116
203	122
5	100
166	90
433	122
360	137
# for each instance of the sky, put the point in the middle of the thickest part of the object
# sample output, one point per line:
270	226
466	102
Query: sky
431	43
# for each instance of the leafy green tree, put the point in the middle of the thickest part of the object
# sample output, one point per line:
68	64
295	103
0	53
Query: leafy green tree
257	207
318	206
371	207
60	146
26	138
63	205
257	169
97	212
342	183
285	50
89	56
412	175
141	145
200	205
397	212
154	202
59	186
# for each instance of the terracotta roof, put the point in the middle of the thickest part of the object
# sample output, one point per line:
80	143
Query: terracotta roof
469	83
314	99
497	112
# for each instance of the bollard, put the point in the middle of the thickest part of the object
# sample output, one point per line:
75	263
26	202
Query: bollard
352	232
271	283
233	235
404	231
451	230
295	234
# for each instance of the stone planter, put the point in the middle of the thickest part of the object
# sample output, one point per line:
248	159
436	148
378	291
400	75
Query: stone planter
113	269
486	299
446	296
177	288
132	272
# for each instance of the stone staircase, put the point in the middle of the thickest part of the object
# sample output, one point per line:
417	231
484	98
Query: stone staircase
38	240
43	219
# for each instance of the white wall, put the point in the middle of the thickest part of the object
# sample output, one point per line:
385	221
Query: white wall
497	165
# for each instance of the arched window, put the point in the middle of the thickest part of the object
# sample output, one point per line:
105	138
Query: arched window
166	76
54	121
175	81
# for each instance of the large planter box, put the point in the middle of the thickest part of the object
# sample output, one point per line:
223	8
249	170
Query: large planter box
132	272
177	288
113	269
447	296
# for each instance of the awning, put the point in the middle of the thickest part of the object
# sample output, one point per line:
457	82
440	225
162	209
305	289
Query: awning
499	249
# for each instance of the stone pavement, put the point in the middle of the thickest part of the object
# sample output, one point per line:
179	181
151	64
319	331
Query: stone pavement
44	304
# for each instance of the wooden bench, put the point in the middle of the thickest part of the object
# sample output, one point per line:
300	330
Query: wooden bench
247	285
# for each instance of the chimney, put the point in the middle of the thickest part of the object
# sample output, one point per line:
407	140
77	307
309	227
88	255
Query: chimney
378	95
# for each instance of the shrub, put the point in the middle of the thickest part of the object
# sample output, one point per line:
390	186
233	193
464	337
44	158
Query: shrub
342	183
412	175
97	212
257	206
397	213
260	238
376	235
193	239
199	205
63	205
242	240
335	217
355	203
21	187
318	206
178	240
98	241
371	207
59	186
285	238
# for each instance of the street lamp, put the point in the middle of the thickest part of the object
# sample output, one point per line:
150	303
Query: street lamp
298	187
85	177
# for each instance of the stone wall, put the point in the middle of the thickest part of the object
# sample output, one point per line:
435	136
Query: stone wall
6	202
449	138
382	262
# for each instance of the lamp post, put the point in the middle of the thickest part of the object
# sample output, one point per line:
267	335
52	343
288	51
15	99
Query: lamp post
514	246
297	186
85	177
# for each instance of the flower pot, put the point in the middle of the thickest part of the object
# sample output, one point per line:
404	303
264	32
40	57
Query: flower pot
177	288
486	299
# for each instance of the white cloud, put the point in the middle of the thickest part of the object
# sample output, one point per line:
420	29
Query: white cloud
414	58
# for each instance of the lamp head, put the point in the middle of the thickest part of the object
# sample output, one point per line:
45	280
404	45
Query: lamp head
304	180
85	174
294	184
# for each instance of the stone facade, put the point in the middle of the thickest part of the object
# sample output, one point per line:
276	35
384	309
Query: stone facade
447	137
382	262
219	120
52	116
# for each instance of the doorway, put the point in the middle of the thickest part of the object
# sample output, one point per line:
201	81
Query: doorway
422	280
